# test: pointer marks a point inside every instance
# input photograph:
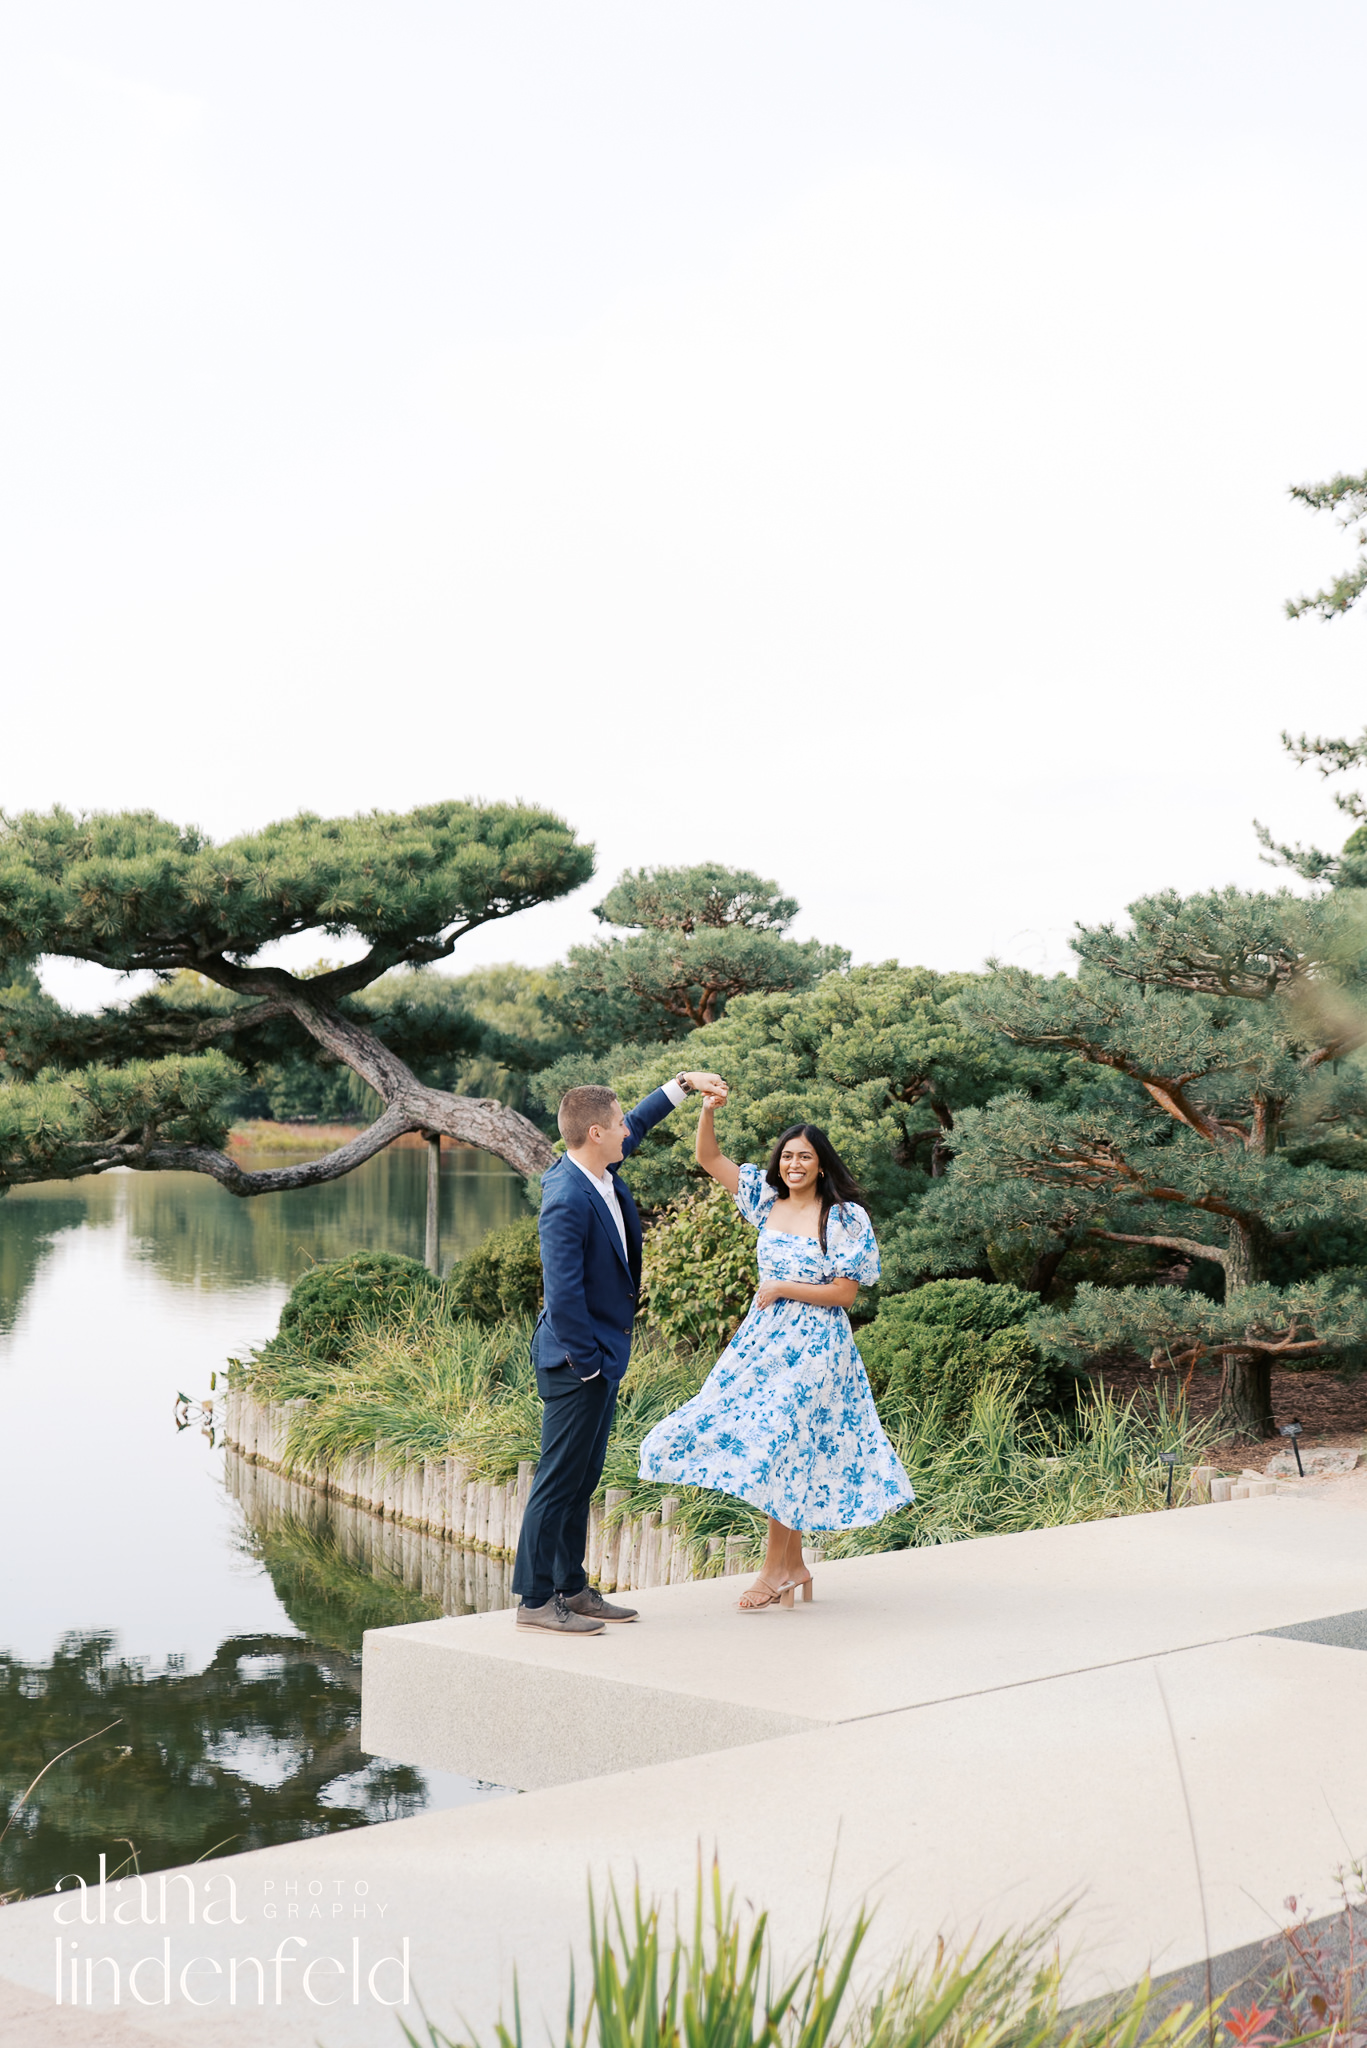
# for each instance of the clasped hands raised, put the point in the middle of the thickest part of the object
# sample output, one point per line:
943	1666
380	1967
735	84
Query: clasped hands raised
711	1087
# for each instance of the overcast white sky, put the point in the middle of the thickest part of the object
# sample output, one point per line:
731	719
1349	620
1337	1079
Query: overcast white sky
847	440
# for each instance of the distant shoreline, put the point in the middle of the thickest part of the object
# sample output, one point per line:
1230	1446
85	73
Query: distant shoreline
263	1135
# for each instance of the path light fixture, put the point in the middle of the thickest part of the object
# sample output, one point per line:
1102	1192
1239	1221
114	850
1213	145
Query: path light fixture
1168	1458
1293	1430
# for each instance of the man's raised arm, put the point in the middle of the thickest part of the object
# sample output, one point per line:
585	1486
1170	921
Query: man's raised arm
649	1111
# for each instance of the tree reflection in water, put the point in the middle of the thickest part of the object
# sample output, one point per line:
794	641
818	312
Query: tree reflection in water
259	1747
26	1239
191	1232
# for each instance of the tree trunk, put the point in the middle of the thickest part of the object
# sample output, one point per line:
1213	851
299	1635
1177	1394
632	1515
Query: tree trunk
1245	1407
432	1249
940	1153
1245	1410
1043	1270
409	1106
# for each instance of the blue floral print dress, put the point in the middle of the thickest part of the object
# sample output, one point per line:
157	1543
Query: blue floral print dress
785	1419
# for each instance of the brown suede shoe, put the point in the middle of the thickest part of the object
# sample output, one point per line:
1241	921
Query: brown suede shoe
592	1604
557	1617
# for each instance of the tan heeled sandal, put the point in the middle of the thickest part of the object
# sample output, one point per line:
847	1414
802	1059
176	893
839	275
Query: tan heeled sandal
776	1596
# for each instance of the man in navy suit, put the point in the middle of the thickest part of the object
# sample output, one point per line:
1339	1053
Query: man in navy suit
591	1267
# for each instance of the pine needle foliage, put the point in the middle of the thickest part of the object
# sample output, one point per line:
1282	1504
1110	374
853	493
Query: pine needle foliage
1220	1037
1346	496
149	1084
880	1057
697	938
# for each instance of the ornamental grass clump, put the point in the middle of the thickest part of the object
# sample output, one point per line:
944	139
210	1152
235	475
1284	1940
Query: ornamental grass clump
1003	1469
723	1982
418	1384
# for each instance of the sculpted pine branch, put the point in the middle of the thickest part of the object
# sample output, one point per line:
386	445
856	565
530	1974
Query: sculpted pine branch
132	892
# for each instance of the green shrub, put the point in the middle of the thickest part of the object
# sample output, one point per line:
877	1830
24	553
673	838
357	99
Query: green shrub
321	1316
946	1367
700	1270
978	1305
501	1277
936	1344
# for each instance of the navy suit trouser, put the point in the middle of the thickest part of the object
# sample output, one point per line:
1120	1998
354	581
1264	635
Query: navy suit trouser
575	1423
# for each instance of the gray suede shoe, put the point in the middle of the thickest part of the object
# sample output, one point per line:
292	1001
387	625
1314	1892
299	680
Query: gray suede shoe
557	1616
592	1603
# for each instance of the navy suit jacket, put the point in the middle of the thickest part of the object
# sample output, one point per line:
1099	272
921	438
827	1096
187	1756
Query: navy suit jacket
591	1283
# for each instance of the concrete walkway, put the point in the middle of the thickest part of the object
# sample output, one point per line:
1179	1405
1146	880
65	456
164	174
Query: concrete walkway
972	1735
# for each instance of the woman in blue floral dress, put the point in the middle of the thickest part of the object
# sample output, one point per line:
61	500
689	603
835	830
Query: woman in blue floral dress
785	1419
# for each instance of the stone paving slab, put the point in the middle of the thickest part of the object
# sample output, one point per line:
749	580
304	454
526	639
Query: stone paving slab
1341	1631
977	1813
1133	1716
478	1695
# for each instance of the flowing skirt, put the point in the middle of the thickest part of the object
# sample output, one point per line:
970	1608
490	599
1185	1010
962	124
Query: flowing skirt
786	1422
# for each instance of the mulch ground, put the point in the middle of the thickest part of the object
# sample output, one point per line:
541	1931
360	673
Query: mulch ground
1330	1411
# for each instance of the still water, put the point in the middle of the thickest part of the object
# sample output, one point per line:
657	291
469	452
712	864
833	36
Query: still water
136	1589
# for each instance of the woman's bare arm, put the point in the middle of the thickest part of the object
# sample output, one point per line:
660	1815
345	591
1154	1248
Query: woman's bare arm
829	1294
708	1152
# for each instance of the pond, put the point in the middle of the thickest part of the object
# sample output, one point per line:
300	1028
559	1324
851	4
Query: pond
210	1628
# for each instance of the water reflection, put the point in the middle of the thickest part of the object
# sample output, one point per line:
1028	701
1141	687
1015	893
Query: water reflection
27	1228
135	1586
314	1544
259	1746
189	1229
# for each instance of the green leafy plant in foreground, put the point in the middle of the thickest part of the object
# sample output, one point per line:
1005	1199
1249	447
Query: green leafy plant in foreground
699	1269
722	1984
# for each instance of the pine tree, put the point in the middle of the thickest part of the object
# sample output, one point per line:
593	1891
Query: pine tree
698	937
1347	496
879	1057
149	1084
1219	1033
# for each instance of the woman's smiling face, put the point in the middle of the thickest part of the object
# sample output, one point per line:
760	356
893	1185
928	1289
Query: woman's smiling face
799	1166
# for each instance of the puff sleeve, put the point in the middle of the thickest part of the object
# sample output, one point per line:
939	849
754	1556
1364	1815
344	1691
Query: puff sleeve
754	1196
851	1247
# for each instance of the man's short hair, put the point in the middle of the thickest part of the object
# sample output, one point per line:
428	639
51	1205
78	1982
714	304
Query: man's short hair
582	1107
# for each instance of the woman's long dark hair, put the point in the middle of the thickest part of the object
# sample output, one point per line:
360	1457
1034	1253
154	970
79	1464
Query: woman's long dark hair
835	1183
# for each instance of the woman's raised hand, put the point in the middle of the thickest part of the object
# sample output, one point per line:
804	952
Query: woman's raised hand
707	1084
706	1150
